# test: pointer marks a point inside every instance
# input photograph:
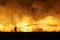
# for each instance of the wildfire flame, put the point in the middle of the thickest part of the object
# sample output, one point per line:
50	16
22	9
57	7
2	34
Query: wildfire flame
48	24
12	15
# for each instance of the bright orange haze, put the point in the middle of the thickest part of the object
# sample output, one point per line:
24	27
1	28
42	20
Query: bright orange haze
11	16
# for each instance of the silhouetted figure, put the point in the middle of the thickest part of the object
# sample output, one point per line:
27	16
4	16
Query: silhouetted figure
15	29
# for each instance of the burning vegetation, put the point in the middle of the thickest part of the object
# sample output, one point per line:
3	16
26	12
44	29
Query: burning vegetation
29	15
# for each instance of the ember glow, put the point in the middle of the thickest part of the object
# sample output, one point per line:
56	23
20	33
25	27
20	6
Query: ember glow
29	16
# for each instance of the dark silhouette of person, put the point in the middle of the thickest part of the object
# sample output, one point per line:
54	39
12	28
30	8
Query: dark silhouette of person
15	29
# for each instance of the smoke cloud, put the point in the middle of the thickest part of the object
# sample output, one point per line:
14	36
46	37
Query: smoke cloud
37	9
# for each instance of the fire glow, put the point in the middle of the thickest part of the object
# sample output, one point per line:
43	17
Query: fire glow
13	15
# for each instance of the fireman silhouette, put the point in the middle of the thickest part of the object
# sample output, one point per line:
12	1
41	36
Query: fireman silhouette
15	29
